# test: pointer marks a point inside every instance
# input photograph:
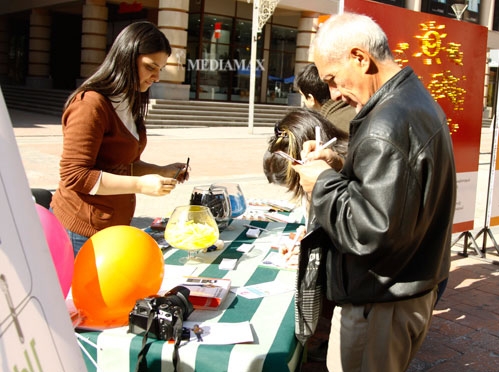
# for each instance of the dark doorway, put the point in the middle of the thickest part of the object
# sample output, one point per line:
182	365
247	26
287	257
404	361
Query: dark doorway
66	50
17	64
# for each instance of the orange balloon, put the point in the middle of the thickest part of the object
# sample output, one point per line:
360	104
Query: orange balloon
114	268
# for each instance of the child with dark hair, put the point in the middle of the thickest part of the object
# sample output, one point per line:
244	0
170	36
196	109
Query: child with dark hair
297	127
290	133
317	96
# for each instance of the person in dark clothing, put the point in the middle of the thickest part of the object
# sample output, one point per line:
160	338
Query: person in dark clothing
389	212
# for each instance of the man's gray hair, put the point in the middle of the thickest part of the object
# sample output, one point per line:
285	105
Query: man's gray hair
343	31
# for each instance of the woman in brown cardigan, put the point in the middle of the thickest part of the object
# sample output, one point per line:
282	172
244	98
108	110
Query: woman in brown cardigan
104	136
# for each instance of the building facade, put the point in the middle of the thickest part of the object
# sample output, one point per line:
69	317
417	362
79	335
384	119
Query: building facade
58	43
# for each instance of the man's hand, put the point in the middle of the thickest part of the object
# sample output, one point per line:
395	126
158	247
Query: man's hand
330	156
309	172
316	162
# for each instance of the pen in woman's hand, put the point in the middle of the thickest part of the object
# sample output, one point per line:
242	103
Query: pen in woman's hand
180	169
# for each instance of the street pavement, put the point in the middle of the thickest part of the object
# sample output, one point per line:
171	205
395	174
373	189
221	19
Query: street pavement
464	335
227	154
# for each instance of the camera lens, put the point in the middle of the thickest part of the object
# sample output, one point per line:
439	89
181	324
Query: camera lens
179	297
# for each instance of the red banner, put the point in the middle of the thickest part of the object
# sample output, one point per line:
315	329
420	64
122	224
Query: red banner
449	56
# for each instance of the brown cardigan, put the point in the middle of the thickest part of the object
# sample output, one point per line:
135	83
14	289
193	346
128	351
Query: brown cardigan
95	140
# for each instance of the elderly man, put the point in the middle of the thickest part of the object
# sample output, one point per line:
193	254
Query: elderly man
388	213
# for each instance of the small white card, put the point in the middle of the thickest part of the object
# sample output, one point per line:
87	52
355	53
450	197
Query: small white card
253	233
263	289
228	264
219	333
173	275
245	247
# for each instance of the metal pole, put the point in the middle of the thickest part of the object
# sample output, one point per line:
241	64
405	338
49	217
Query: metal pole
254	38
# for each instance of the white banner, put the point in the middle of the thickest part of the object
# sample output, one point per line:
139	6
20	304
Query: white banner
36	333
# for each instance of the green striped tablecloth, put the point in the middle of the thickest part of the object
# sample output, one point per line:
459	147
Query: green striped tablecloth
275	347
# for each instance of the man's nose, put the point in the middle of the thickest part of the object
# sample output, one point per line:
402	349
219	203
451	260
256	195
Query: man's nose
335	94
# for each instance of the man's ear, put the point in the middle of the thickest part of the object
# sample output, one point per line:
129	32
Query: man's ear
359	56
362	59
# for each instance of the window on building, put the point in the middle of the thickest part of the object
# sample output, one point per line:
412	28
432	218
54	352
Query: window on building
281	64
242	55
444	8
495	22
214	70
218	58
192	53
400	3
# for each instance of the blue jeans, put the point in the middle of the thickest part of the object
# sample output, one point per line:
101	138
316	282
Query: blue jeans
77	240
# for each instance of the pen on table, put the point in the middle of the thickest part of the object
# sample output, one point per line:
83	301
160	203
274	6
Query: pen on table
255	227
328	143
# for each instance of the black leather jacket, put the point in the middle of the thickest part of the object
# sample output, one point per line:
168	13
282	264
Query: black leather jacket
389	212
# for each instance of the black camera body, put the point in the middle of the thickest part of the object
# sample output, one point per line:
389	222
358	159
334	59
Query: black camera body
162	317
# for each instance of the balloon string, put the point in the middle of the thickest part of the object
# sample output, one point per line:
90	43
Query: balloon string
86	340
88	356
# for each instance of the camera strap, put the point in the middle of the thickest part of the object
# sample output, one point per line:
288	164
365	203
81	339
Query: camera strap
178	338
141	365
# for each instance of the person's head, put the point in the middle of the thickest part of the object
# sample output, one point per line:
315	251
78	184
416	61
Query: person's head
290	133
353	57
138	54
315	92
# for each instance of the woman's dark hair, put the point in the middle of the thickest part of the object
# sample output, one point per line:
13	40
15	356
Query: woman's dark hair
118	73
309	82
290	133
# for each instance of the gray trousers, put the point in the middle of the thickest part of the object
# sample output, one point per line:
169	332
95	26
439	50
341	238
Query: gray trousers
379	337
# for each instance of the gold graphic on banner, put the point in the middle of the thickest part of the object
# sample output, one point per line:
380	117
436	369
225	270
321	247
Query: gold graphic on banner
453	127
433	48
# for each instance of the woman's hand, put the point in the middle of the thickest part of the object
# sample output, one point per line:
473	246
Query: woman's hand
155	185
178	171
291	250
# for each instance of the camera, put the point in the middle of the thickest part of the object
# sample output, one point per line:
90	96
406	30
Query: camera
162	317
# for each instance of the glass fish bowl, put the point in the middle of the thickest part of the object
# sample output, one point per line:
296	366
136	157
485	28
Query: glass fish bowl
191	228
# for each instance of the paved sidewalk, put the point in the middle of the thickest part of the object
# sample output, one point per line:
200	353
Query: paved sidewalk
228	154
465	331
